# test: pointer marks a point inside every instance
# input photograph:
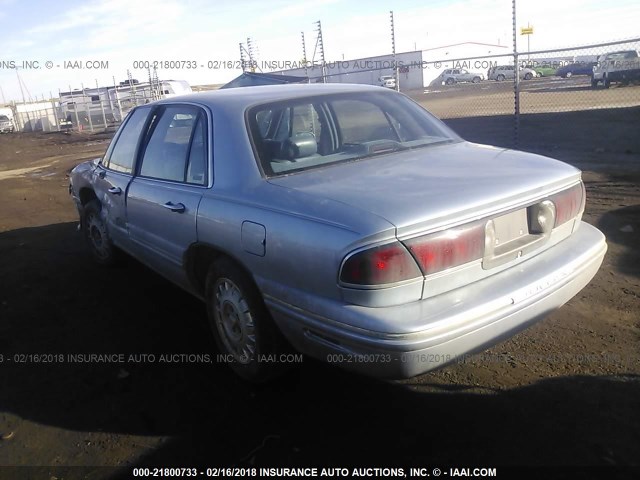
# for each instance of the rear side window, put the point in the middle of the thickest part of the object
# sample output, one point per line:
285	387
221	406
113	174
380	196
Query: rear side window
123	152
176	150
362	121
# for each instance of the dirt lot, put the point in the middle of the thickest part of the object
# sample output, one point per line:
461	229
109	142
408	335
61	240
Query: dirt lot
564	393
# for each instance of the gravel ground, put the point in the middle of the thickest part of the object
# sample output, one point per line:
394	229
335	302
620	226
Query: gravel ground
563	393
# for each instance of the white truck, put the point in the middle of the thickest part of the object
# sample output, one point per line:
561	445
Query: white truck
622	66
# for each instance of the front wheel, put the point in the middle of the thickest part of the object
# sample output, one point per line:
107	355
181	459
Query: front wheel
528	76
476	80
450	81
96	235
500	78
242	326
594	83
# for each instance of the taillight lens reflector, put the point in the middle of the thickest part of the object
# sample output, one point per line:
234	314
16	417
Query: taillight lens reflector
569	203
449	248
390	263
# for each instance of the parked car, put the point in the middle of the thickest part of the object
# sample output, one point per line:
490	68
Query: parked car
506	72
388	81
6	125
623	66
577	68
344	221
544	71
65	124
459	75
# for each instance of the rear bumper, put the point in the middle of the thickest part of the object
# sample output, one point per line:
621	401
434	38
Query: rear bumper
448	326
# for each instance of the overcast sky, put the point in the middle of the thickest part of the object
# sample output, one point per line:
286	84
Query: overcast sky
122	32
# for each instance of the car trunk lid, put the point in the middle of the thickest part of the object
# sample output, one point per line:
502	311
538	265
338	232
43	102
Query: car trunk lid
432	188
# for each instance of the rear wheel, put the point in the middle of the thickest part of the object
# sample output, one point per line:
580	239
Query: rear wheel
450	81
96	234
568	75
476	80
242	326
500	78
528	76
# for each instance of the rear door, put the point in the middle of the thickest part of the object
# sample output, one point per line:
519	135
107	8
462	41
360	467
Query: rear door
163	199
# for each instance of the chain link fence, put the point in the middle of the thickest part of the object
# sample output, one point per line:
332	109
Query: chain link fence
602	81
91	109
555	89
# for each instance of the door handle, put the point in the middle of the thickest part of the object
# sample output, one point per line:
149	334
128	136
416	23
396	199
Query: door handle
175	207
115	190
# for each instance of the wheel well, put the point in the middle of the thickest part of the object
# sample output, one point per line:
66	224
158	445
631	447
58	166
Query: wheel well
86	195
198	260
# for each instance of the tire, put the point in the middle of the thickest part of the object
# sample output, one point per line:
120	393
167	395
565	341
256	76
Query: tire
594	83
568	75
241	324
500	78
606	83
476	80
450	81
96	235
528	76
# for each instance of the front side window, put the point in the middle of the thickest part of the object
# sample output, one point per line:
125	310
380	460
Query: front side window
302	134
176	150
122	154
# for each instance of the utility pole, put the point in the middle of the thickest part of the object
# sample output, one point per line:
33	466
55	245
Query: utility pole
393	50
152	92
104	116
87	106
75	108
20	84
23	100
254	53
516	79
320	45
115	93
304	58
55	110
242	59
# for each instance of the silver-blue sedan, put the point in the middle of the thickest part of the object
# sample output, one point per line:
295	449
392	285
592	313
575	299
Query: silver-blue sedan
344	221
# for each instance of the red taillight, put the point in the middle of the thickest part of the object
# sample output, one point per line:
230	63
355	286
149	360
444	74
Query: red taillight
379	265
569	203
448	248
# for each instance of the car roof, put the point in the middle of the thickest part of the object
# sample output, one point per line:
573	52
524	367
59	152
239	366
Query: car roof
243	97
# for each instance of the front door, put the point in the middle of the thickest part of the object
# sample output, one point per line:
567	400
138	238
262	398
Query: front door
114	173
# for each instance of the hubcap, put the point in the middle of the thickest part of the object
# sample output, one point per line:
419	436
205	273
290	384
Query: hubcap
234	321
96	236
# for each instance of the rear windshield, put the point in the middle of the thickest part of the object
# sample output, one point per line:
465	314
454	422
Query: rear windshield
301	134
